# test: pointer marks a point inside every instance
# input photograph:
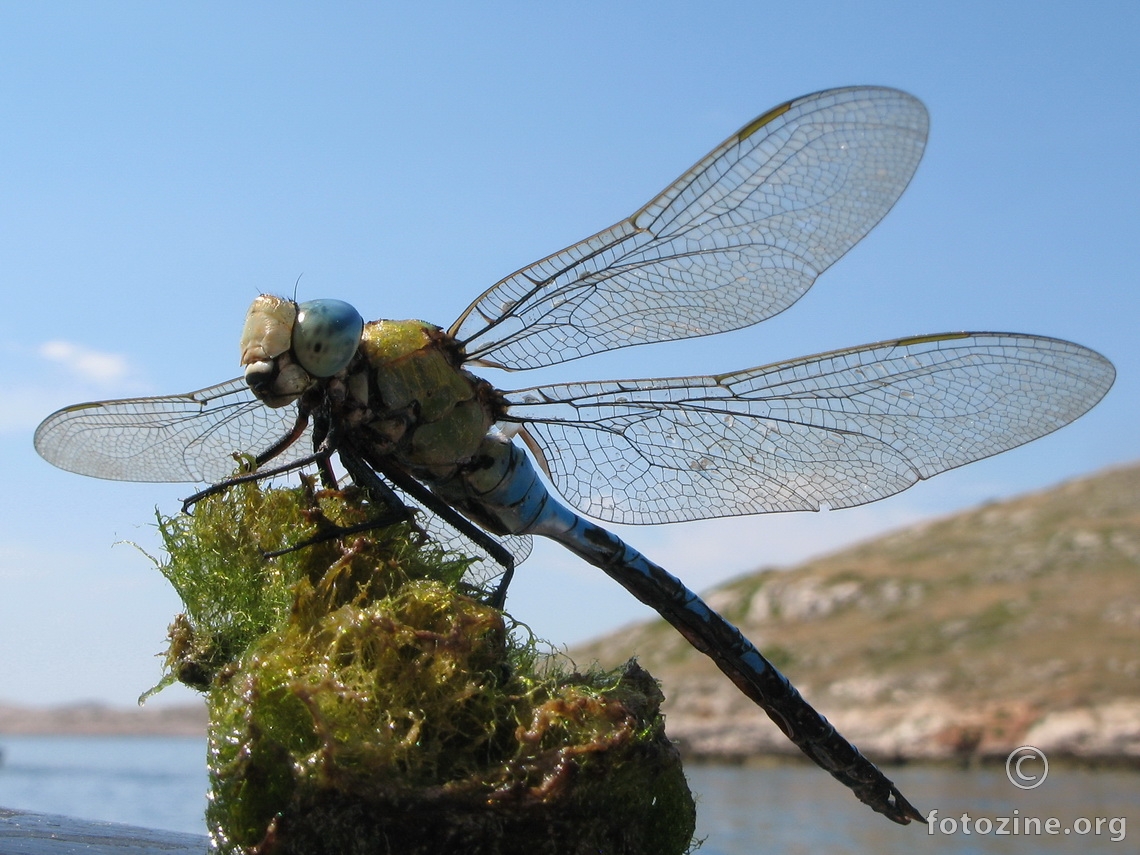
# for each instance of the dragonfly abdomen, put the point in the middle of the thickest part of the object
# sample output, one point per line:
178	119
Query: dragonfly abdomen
740	661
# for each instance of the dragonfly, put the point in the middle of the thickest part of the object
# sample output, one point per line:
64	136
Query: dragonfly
738	238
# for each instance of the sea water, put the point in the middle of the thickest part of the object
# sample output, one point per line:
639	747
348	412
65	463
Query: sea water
160	782
150	781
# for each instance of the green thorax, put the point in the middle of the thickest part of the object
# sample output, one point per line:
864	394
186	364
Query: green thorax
433	412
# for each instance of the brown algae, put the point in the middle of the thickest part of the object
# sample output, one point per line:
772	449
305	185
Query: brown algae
363	701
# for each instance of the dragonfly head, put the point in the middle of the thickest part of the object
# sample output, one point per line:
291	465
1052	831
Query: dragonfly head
287	348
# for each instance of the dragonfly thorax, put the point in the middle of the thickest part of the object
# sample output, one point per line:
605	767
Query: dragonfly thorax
418	404
401	392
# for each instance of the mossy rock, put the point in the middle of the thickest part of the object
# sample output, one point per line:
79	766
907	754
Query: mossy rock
363	699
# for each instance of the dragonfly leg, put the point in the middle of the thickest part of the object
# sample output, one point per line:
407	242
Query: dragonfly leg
364	476
379	492
452	517
286	441
322	427
190	501
331	531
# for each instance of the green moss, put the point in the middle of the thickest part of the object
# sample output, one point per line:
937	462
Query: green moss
362	701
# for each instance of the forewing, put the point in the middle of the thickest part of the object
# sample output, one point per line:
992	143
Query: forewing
736	239
836	430
193	437
189	437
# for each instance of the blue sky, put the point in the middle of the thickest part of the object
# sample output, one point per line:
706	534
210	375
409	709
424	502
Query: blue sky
161	164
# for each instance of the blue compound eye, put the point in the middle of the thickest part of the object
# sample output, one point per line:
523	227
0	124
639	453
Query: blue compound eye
326	335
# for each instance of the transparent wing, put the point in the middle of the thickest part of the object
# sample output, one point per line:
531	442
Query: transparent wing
736	239
836	430
189	437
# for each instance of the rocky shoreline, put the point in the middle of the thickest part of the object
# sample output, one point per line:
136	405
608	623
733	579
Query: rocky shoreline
709	728
931	730
92	719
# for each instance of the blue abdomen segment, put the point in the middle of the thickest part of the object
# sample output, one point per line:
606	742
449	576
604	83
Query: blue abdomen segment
505	495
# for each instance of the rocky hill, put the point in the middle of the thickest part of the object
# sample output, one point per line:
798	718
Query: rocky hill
964	637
